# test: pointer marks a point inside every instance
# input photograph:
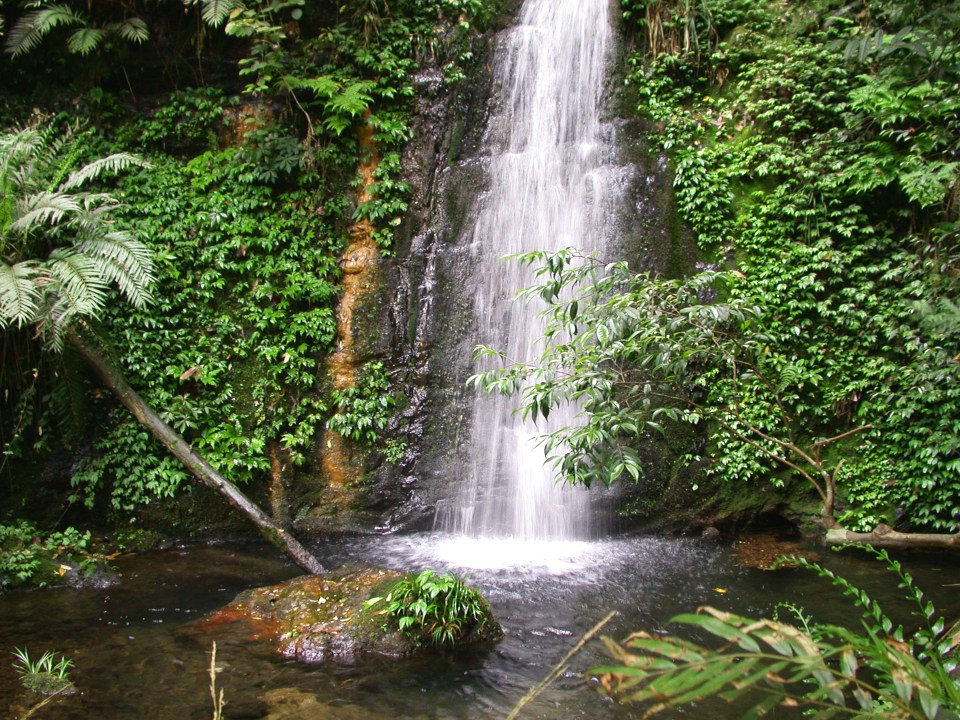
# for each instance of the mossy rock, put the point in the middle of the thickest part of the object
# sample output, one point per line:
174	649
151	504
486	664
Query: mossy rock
45	683
317	618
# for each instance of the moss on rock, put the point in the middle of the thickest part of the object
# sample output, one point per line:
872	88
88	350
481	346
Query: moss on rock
317	618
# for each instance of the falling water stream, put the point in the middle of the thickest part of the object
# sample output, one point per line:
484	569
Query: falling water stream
549	170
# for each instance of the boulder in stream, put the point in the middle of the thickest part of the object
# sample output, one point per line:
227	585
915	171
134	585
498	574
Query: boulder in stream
359	610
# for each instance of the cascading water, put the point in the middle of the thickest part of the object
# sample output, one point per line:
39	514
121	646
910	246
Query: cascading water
549	171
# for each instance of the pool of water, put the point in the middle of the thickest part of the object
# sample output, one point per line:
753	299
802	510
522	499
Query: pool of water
138	654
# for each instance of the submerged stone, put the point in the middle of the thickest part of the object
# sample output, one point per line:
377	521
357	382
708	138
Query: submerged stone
315	618
46	683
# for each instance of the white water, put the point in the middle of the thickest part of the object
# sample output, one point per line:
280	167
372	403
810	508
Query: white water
548	181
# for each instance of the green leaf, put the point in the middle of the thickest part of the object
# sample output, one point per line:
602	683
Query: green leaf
30	30
85	40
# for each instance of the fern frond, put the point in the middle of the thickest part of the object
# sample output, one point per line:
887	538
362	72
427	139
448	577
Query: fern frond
108	166
76	280
34	26
323	86
85	40
214	12
16	150
125	261
132	29
19	296
43	208
354	100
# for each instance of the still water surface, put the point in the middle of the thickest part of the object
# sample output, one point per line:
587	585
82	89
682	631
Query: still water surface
138	657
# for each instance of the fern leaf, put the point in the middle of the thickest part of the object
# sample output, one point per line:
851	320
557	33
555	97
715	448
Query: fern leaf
85	40
19	295
132	29
77	283
214	12
125	261
108	166
34	26
354	100
43	208
323	86
336	124
16	150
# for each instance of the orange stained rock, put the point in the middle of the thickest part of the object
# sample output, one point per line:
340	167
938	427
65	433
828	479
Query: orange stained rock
360	262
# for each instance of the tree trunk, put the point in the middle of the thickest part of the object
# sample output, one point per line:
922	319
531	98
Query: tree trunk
884	536
112	377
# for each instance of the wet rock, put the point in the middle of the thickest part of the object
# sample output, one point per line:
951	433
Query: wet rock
99	577
710	534
318	618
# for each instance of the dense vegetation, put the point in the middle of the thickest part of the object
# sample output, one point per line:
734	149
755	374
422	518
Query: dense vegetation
814	148
247	124
814	154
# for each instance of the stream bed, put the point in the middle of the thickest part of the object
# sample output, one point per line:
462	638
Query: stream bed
139	653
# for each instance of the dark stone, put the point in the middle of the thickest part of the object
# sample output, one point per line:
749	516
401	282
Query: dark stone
710	533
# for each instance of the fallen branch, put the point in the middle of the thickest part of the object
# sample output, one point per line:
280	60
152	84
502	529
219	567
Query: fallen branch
885	536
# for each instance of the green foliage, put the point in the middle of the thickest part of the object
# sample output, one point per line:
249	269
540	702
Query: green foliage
364	410
45	676
246	240
30	30
25	666
340	105
263	26
394	450
434	609
187	118
815	152
646	352
386	209
60	251
256	267
28	556
826	669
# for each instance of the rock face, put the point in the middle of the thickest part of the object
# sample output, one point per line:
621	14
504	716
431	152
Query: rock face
317	618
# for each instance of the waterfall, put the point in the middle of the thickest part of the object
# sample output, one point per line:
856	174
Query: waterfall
549	174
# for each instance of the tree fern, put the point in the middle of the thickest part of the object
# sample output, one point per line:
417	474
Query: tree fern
354	100
215	12
85	40
44	208
125	261
132	29
323	86
33	27
30	30
60	248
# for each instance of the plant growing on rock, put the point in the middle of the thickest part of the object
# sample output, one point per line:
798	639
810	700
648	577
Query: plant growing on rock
436	609
45	676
